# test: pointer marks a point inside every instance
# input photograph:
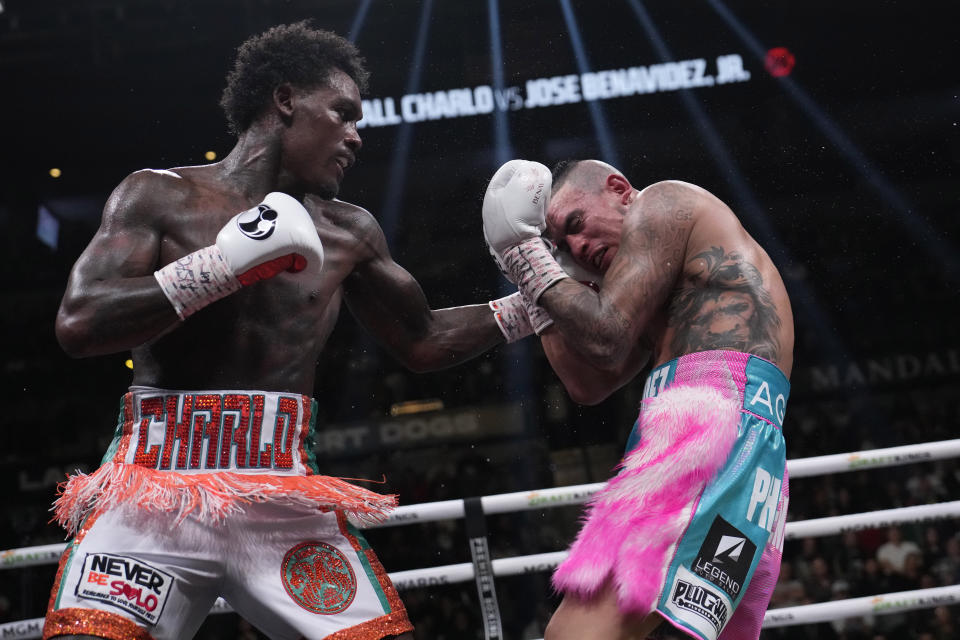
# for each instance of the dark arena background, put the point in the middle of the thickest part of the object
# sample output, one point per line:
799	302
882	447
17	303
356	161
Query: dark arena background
831	128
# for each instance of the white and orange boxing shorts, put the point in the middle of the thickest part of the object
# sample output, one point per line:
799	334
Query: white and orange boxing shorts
216	493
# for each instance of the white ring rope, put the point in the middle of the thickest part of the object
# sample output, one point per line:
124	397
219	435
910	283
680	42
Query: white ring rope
562	496
873	459
868	605
819	527
576	494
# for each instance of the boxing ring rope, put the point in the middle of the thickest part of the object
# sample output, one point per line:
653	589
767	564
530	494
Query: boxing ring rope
576	494
564	496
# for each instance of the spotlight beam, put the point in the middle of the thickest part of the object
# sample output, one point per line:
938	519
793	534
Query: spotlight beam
515	359
389	213
608	148
358	20
805	302
905	212
503	148
390	209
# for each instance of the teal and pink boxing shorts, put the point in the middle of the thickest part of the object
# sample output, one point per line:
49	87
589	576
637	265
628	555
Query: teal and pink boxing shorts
692	526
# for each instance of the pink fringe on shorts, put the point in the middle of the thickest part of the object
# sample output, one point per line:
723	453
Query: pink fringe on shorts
210	497
633	524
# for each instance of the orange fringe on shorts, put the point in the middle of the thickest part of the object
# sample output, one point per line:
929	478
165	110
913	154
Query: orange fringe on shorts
210	497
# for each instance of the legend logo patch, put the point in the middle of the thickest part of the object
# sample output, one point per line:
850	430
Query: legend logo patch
725	557
125	583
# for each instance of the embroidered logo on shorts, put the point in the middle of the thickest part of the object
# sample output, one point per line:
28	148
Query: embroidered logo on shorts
696	604
318	577
126	583
725	557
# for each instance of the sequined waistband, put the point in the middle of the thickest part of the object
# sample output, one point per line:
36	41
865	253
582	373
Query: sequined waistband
202	431
762	389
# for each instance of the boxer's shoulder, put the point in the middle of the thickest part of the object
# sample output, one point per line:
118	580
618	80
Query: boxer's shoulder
350	219
340	213
140	198
171	197
168	182
148	188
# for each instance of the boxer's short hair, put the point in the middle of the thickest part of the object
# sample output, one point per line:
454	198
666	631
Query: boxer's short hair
294	53
561	171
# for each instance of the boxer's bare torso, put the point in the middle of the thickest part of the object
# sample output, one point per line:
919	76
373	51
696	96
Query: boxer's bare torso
729	294
267	336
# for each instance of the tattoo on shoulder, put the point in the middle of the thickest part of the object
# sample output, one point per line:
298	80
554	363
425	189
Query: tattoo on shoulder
726	308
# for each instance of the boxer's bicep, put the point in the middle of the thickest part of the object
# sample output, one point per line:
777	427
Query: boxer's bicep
112	300
126	253
126	245
383	296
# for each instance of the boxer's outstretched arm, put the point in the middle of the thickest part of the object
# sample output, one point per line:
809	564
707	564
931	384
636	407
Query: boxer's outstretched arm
605	327
389	302
112	301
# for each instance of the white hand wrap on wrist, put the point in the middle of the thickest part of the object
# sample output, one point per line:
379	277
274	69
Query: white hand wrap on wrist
540	320
511	317
196	280
533	267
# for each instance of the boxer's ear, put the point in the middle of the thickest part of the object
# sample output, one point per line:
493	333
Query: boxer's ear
283	98
619	185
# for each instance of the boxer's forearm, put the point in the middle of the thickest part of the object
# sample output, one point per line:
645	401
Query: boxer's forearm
593	327
453	335
389	302
104	317
584	382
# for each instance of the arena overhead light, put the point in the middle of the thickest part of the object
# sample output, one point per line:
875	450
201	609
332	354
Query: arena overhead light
210	156
55	172
48	227
415	406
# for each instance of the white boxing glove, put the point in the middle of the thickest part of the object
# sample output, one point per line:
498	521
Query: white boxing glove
514	216
515	204
275	236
